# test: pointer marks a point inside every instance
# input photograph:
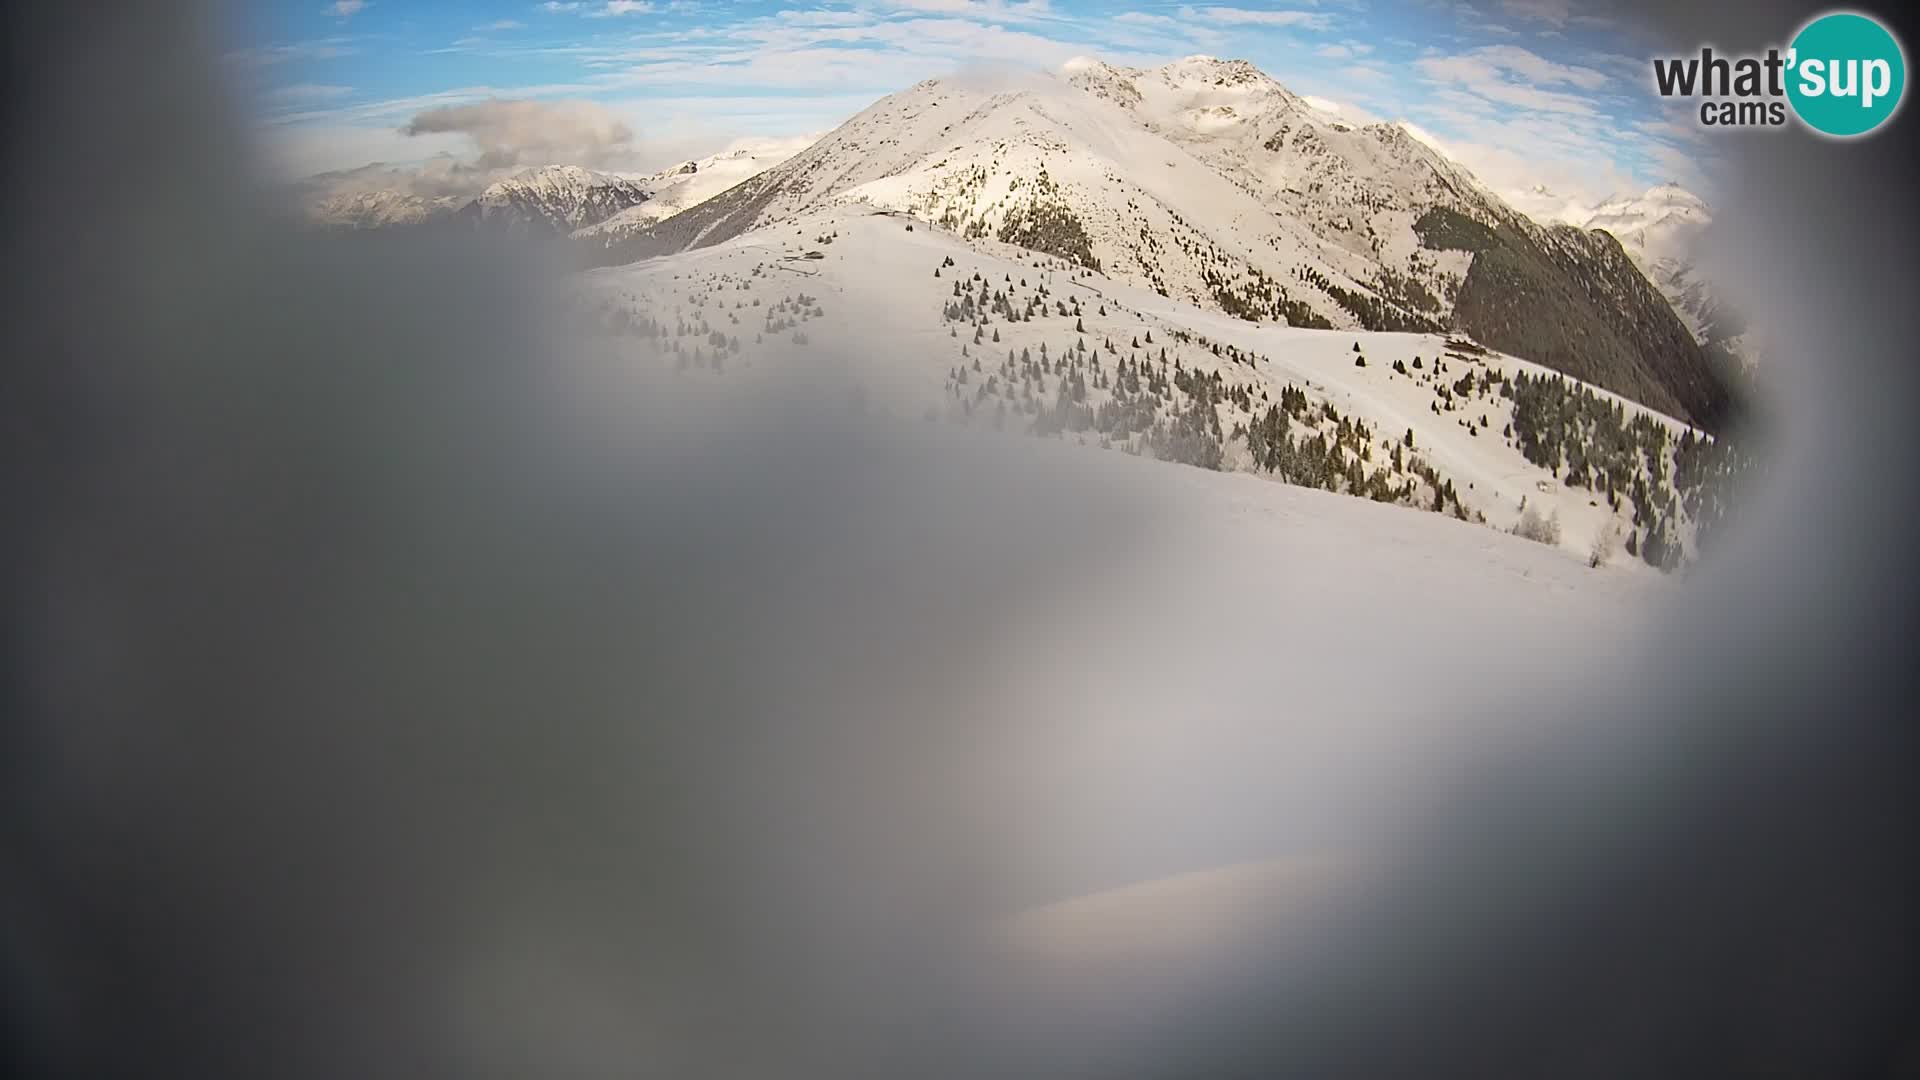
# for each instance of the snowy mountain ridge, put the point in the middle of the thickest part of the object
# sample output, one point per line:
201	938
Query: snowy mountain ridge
548	198
1210	183
689	183
559	198
562	198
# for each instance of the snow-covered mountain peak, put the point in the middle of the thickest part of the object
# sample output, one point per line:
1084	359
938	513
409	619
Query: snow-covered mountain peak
558	198
1668	205
1213	70
1101	79
1202	86
1209	183
551	180
1674	193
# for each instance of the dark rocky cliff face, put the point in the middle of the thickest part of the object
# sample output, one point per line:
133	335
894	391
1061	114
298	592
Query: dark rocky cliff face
1571	299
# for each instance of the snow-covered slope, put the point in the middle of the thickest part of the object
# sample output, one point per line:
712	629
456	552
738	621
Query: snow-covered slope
991	334
692	182
1210	184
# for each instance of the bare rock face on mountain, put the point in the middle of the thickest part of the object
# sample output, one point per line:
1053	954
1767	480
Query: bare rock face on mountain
1211	183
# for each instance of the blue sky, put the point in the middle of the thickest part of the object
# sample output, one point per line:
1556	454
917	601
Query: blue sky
1524	92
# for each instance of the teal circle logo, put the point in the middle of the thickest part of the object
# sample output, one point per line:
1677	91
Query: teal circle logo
1846	74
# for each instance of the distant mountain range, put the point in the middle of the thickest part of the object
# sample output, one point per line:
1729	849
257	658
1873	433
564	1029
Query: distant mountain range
551	198
560	198
688	184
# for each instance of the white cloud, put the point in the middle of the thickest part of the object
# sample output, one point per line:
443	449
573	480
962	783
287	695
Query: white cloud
558	6
1305	20
1345	50
825	18
345	9
1515	77
1673	130
1536	162
1458	99
1688	168
502	24
1539	131
615	8
1493	63
1002	10
1519	61
1557	14
782	53
1142	18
